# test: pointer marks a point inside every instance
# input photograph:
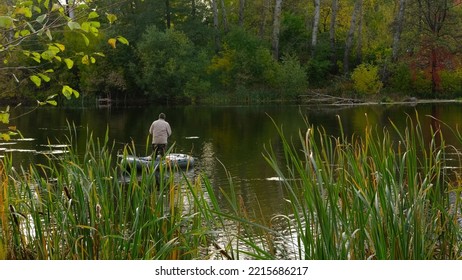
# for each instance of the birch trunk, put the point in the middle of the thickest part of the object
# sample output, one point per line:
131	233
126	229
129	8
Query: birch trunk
215	24
398	29
224	16
264	15
333	20
350	35
276	28
314	35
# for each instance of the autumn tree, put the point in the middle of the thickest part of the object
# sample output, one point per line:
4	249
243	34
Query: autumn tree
32	42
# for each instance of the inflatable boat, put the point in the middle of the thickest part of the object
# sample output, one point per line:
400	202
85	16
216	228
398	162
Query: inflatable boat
182	161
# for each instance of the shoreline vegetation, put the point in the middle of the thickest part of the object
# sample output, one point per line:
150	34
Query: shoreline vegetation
347	198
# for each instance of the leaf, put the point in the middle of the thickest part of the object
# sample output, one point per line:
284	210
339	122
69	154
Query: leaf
44	77
6	22
26	11
112	42
67	91
37	57
69	63
61	47
52	102
36	79
92	15
85	38
41	18
123	40
73	25
85	60
24	33
5	117
48	32
111	18
48	55
5	136
86	26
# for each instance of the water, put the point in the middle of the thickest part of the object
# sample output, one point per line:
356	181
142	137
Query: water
228	142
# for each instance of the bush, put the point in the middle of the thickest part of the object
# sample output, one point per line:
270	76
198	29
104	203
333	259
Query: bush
451	82
291	78
366	79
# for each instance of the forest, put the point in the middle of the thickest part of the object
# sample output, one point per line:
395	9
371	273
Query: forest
233	51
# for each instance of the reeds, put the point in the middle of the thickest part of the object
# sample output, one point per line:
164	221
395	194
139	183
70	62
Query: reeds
86	206
387	194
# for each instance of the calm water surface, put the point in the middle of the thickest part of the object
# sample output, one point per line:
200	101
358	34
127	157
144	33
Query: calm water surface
225	141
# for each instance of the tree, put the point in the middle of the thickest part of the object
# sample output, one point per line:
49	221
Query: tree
31	41
333	20
349	40
398	27
276	28
314	35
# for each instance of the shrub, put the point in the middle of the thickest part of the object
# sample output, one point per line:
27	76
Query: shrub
366	79
451	82
291	78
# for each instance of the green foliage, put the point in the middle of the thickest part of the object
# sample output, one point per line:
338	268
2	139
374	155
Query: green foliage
401	79
366	79
290	78
166	63
245	62
318	71
451	82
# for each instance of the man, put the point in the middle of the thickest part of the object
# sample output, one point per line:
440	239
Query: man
160	130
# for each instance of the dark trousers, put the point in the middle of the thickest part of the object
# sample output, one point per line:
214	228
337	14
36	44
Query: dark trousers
159	149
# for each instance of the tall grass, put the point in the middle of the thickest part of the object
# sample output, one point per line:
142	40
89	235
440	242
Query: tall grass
86	206
387	194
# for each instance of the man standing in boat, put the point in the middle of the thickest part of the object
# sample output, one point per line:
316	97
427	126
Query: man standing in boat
160	130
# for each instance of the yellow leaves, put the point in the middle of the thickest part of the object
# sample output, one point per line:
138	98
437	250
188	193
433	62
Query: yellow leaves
4	117
113	41
69	63
26	11
87	60
366	79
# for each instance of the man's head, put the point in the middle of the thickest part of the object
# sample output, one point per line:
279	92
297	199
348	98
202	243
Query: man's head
162	116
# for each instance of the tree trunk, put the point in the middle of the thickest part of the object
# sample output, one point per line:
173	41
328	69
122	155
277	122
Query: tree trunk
264	15
350	35
333	21
314	35
241	12
168	19
276	28
215	24
398	29
359	49
224	16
